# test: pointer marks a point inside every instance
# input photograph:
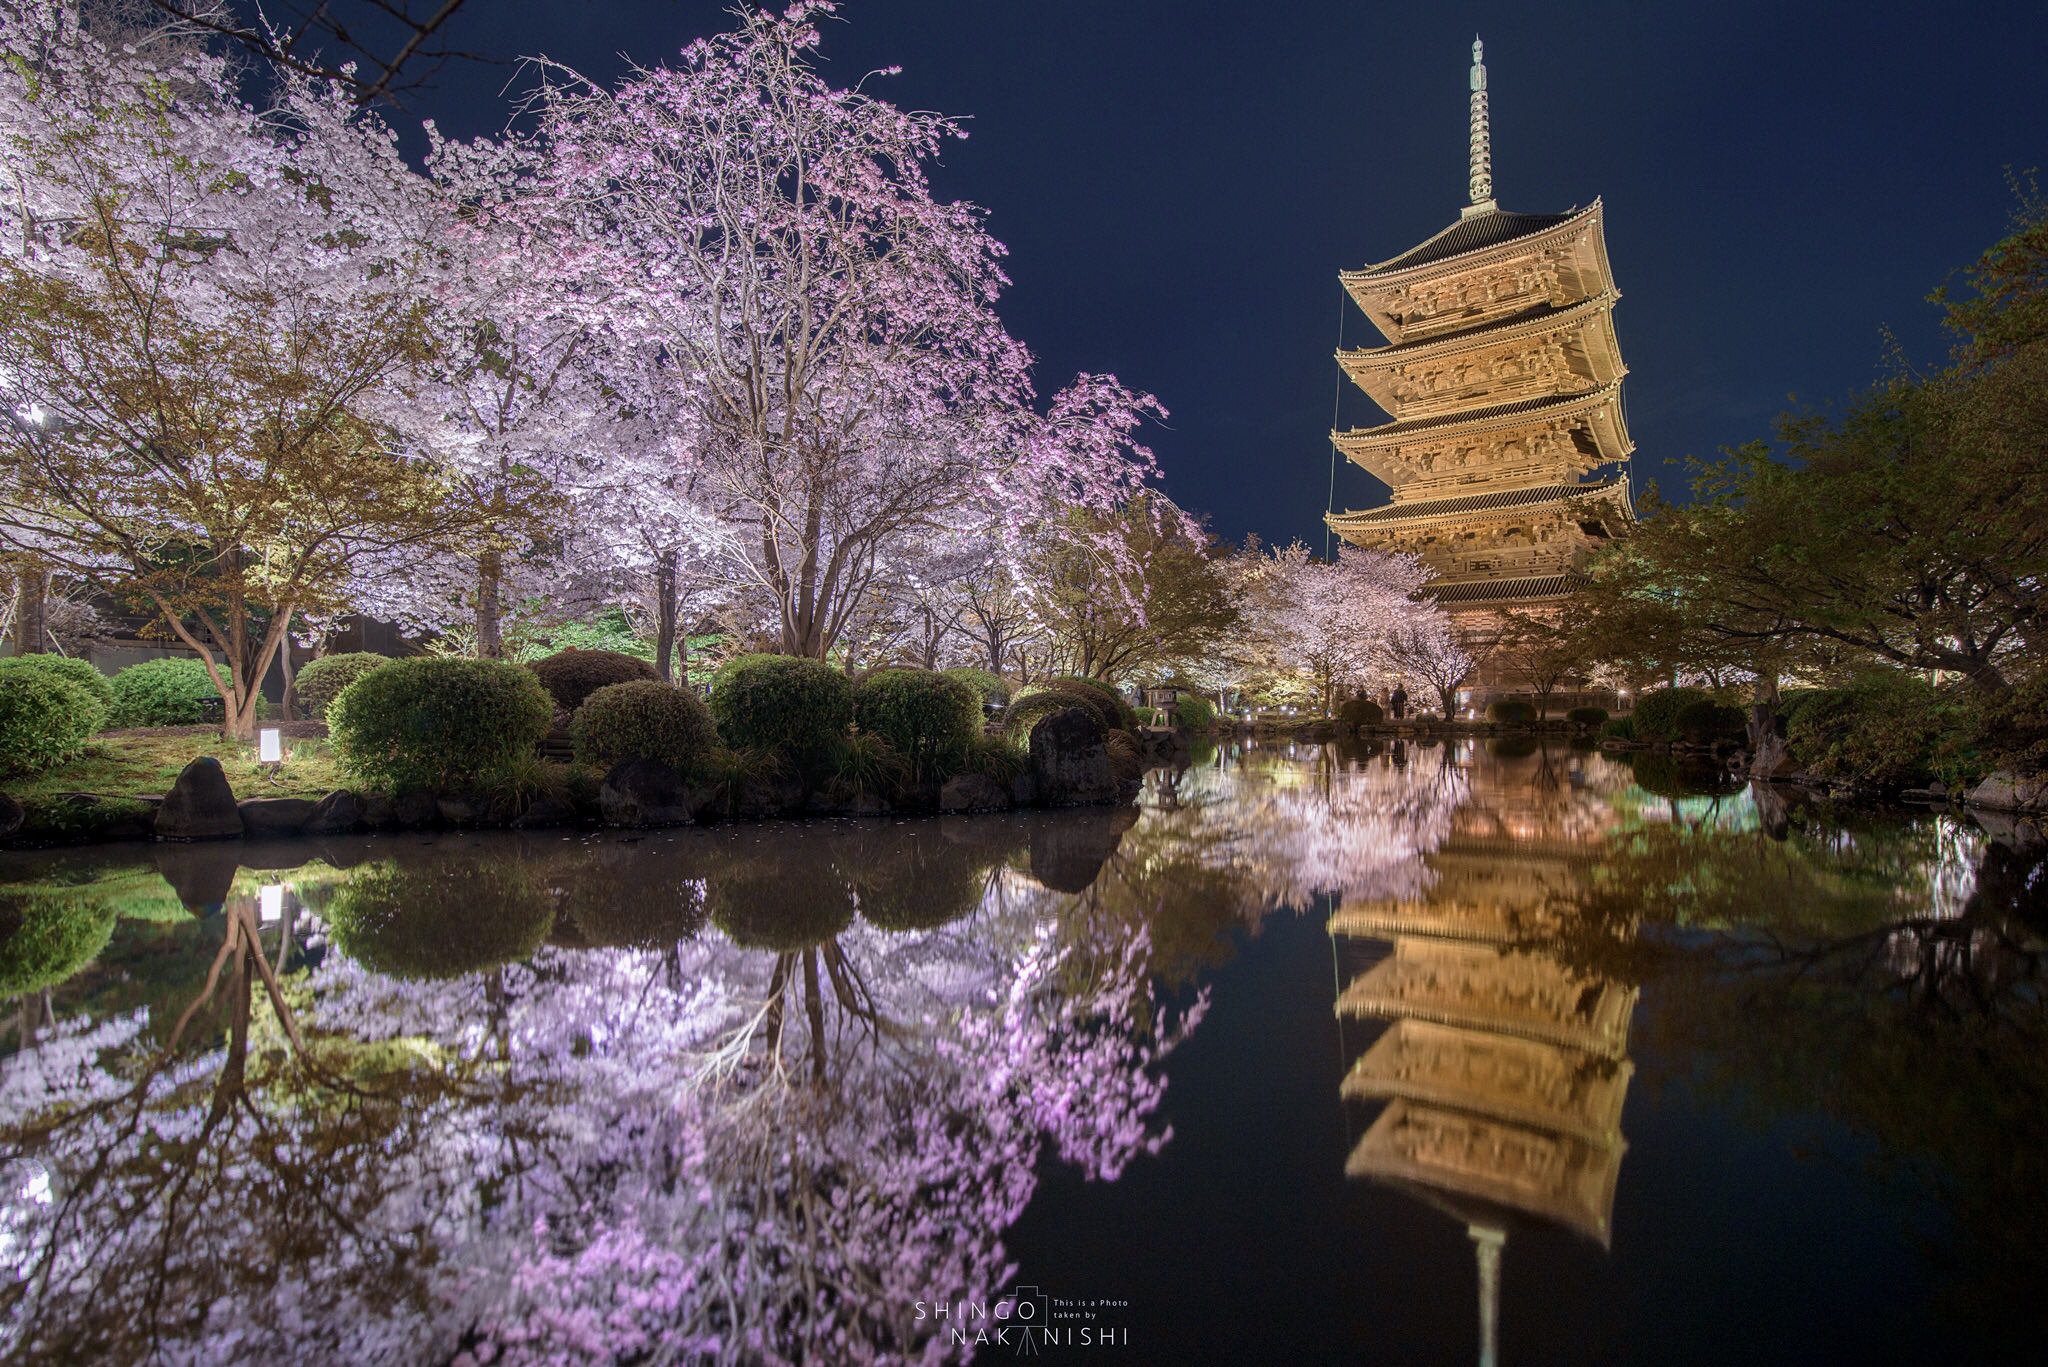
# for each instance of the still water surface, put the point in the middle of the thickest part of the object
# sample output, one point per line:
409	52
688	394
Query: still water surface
1448	1054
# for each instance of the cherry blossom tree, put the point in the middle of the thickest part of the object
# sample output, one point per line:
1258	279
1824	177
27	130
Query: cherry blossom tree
1425	649
776	240
1328	622
199	295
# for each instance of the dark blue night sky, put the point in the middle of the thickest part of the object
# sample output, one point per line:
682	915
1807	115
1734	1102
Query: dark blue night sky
1179	184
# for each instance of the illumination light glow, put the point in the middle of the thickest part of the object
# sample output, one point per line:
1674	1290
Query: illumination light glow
272	901
270	745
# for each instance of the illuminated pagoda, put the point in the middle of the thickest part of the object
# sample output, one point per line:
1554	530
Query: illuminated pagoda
1501	1071
1507	453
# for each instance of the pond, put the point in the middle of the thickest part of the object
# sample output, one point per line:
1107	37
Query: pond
1479	1052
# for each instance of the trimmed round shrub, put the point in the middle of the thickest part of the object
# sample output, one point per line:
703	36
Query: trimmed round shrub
1125	717
928	718
1034	705
45	938
69	668
173	691
782	703
435	916
1621	728
319	682
1361	712
1706	721
1656	714
438	723
645	719
1513	711
1587	717
1193	712
992	690
572	675
45	719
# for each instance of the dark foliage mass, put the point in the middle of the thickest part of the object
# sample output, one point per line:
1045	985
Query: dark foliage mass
645	720
572	675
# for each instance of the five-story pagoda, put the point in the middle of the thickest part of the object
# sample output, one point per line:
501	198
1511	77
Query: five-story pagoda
1508	451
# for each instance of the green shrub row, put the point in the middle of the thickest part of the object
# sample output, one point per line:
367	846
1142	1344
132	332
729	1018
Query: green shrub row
1193	712
1513	711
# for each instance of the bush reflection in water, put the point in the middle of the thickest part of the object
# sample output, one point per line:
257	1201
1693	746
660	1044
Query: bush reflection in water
749	1094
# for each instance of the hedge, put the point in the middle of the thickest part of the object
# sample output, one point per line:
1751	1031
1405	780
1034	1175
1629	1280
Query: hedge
1514	711
572	675
45	719
1621	728
791	706
644	720
1656	714
928	718
1887	728
442	724
1097	697
1193	712
173	691
319	682
70	668
1587	716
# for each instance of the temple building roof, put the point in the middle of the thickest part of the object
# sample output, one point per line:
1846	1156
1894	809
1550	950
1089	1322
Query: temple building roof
1466	235
1481	591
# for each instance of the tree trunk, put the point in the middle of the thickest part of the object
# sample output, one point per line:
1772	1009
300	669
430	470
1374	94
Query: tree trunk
490	635
665	617
284	662
31	610
1767	753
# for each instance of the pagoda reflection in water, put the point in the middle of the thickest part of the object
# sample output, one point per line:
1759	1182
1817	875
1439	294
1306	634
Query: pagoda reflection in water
1502	1071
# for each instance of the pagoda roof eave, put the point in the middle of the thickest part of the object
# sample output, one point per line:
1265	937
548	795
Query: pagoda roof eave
1449	245
1451	344
1505	503
1522	413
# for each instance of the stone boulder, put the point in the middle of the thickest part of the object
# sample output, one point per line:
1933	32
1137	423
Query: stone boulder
416	810
339	811
266	818
200	805
646	792
1070	761
775	793
973	793
2006	791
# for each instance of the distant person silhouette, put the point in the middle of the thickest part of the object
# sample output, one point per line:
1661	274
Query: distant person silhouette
1400	703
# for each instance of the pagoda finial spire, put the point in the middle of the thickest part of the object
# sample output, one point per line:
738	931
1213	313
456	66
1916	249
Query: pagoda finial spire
1481	181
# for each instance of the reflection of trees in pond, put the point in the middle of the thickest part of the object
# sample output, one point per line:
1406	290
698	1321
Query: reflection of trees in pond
1881	970
589	1152
45	937
616	895
439	913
